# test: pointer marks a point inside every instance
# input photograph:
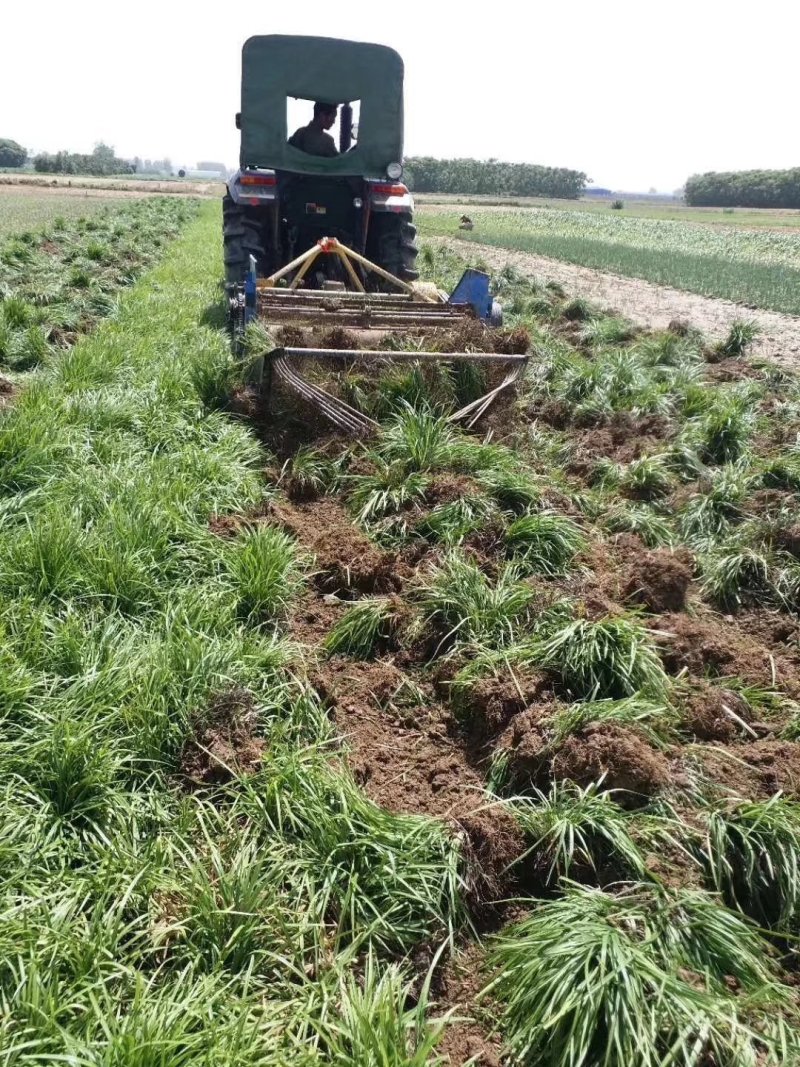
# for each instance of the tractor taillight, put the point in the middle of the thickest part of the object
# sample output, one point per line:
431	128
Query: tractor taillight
388	190
258	179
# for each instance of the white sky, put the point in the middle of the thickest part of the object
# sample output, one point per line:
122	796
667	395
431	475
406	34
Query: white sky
635	94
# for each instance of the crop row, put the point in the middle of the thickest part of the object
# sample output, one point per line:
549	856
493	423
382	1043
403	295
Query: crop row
203	644
756	267
56	282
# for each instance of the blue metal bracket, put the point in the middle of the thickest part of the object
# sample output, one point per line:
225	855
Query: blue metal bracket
250	291
473	288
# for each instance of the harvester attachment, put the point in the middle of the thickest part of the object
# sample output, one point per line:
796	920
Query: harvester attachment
344	325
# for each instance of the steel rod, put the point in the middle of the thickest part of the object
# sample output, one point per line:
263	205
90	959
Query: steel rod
403	356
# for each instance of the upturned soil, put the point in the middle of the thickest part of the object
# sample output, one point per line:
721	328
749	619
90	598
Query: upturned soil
416	744
645	303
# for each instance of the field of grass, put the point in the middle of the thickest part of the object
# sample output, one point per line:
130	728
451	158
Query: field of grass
57	281
761	218
286	717
759	268
22	211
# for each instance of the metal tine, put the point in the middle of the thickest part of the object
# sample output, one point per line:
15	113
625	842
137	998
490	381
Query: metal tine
341	413
353	421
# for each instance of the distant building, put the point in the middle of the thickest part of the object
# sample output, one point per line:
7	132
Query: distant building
596	190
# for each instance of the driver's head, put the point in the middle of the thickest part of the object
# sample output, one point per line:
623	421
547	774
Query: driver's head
325	114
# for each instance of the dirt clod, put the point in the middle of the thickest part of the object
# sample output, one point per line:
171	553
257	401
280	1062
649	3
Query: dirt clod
658	580
224	744
616	754
345	558
707	713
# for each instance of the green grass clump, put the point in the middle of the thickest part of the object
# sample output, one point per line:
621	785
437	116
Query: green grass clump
740	336
639	977
610	658
390	880
722	435
545	542
737	574
308	474
752	852
379	1019
450	523
573	828
419	440
264	569
653	719
360	629
388	491
465	606
654	529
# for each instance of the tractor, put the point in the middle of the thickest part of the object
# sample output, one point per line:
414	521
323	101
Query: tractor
283	199
320	243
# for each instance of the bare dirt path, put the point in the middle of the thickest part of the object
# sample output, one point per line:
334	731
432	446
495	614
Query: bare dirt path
645	303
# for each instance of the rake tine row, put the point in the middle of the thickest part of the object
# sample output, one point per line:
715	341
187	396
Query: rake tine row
339	412
480	405
355	422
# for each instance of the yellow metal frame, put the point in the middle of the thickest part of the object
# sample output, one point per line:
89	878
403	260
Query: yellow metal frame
330	246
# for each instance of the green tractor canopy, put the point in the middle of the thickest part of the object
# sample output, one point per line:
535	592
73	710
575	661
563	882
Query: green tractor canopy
276	68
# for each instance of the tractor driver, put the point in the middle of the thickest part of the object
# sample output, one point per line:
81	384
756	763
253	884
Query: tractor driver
313	138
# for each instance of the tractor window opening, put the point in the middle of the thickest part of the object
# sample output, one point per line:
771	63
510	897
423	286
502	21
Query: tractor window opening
321	128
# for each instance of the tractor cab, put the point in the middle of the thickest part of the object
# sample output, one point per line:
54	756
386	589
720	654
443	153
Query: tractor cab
283	198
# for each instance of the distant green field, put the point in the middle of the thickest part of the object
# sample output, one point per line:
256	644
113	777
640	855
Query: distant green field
756	267
640	209
21	211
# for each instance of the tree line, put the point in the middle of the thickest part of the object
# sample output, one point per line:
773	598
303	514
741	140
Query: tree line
427	175
745	188
103	161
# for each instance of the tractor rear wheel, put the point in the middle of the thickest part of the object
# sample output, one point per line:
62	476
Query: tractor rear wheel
241	238
395	245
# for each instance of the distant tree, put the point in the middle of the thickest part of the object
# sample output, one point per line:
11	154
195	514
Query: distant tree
12	154
745	188
102	161
652	190
427	175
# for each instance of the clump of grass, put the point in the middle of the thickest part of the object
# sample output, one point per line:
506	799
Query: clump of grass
608	330
450	523
644	478
514	490
385	880
380	1018
752	853
638	977
459	600
722	435
264	569
361	629
718	505
610	658
653	719
740	336
545	542
418	440
577	310
654	529
578	828
308	474
388	491
736	574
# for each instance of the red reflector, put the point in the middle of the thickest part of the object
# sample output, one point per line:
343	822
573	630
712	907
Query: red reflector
389	190
258	179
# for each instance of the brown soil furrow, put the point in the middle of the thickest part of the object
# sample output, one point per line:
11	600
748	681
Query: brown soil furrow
646	303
